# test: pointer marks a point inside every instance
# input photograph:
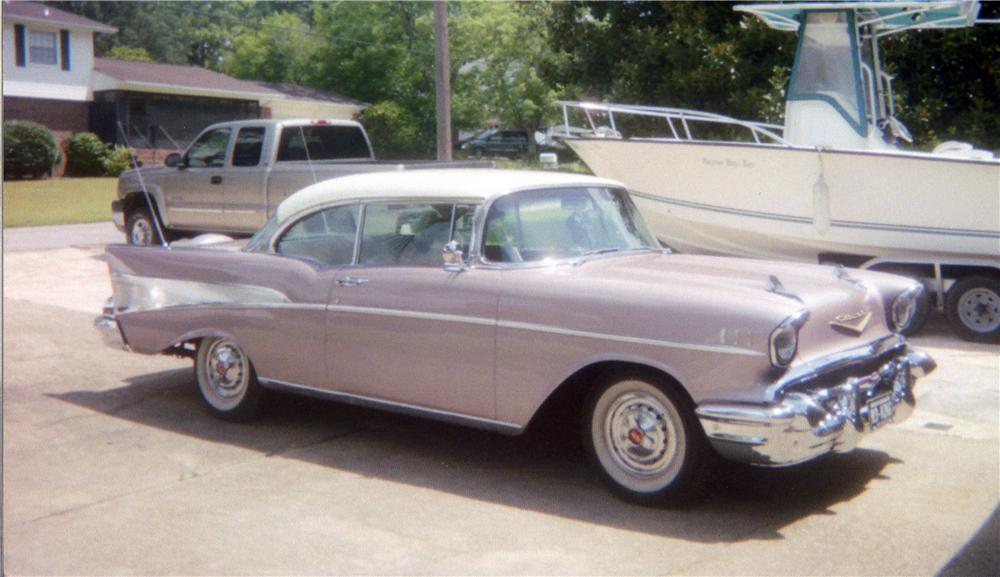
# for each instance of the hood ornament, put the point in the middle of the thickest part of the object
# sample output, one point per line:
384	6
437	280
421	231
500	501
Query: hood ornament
841	273
774	286
855	322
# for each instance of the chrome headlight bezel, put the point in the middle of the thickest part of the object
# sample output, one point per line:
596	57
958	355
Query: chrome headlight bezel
783	344
903	308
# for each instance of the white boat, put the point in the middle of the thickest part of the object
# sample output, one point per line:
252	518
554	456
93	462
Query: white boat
832	184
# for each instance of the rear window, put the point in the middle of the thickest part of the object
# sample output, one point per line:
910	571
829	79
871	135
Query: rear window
322	142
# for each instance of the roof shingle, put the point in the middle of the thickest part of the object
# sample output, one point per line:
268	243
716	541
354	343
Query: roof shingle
36	12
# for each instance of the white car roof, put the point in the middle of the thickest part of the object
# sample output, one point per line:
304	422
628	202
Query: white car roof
465	183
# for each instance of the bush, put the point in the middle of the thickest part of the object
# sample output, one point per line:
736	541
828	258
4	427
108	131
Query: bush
118	160
85	154
29	149
393	132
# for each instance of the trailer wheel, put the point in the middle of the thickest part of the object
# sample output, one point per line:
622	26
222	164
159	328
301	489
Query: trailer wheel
972	306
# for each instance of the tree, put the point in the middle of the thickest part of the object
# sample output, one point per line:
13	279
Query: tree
281	48
503	50
122	52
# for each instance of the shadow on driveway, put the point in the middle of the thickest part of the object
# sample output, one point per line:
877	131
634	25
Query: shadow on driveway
544	470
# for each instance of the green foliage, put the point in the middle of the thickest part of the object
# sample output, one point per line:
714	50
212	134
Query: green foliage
394	132
85	155
122	52
279	49
117	160
29	149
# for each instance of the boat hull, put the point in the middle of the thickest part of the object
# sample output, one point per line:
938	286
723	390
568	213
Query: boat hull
799	203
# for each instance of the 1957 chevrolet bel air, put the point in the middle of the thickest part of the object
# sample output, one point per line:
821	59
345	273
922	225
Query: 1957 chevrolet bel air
473	296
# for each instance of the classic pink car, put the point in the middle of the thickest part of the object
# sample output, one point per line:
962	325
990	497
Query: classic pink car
473	296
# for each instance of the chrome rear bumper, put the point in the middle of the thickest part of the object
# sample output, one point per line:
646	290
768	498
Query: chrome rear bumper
107	326
812	419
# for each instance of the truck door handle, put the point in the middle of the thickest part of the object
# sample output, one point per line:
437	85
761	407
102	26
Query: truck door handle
351	281
216	180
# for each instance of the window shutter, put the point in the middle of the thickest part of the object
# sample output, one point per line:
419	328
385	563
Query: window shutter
19	51
64	48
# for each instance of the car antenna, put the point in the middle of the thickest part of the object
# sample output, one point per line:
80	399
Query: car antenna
305	145
142	184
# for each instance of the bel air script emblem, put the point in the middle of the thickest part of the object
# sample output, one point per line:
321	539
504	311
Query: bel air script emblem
855	322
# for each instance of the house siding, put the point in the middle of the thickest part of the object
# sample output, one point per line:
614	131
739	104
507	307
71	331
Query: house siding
49	81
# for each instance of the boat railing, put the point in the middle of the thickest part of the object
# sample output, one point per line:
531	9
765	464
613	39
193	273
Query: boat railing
678	122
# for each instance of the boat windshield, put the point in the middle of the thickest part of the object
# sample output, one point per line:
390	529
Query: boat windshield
826	66
564	223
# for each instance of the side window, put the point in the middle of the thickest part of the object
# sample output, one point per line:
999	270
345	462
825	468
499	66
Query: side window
210	149
326	236
249	145
405	233
462	228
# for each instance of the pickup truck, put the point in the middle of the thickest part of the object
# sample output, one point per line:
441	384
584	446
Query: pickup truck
234	174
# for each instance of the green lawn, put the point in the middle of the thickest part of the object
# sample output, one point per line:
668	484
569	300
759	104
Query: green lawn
57	201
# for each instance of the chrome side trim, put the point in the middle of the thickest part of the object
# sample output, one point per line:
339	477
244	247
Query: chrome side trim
483	321
631	340
396	407
412	315
137	293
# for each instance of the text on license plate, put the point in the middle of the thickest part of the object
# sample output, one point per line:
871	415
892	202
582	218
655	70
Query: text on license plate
880	411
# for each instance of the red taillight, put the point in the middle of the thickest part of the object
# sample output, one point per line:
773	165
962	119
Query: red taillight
319	122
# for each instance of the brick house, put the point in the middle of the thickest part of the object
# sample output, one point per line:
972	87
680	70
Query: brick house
50	76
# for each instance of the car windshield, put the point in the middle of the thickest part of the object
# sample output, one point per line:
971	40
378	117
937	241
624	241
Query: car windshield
563	223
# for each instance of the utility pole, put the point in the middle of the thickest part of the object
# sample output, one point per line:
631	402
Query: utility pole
442	79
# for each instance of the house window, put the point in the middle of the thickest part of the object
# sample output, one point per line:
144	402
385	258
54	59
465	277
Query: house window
43	47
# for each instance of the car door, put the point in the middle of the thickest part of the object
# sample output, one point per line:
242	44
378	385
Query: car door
309	253
242	182
403	330
195	197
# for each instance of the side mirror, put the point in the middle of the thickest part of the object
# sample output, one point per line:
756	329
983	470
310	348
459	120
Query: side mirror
454	260
173	159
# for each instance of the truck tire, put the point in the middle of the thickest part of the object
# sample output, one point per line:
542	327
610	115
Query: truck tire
972	306
140	228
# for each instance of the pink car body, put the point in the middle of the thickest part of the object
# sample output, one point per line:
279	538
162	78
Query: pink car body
485	342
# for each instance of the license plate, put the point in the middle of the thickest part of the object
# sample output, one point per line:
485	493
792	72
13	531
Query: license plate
880	411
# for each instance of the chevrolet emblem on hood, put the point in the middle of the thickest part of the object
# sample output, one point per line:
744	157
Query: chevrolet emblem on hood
855	322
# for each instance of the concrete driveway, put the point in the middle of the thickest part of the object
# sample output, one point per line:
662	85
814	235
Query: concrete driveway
112	466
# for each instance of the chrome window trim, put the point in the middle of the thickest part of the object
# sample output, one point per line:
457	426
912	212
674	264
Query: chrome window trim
476	254
397	407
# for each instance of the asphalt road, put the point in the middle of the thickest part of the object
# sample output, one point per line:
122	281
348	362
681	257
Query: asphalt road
112	466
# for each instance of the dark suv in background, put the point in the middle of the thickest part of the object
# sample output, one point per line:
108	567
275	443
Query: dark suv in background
497	142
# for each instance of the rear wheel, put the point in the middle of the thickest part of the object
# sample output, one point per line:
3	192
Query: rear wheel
972	306
227	380
646	441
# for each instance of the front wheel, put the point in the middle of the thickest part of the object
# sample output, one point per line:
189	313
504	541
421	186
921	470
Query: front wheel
646	441
227	380
972	306
140	228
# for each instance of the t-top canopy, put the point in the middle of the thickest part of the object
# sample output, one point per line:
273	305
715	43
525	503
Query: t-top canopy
887	16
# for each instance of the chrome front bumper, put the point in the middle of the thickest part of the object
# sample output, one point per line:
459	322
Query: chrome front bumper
107	326
818	413
118	215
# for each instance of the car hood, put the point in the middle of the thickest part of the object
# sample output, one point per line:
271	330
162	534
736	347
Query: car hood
844	311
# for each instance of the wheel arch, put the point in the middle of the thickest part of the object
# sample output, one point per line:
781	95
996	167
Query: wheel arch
137	199
568	399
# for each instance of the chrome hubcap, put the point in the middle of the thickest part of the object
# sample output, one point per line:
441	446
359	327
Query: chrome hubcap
226	369
642	438
979	309
142	232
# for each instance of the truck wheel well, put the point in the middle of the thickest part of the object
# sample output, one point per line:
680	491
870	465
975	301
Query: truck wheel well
565	404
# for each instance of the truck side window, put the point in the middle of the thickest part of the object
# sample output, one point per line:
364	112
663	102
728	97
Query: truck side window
248	147
210	149
326	236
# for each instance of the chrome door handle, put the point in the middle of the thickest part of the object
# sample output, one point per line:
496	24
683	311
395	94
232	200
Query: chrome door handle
351	281
216	179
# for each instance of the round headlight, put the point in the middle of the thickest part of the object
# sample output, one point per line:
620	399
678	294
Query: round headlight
784	343
904	307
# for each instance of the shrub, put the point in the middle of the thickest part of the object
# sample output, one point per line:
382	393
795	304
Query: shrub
29	149
85	154
393	132
118	160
